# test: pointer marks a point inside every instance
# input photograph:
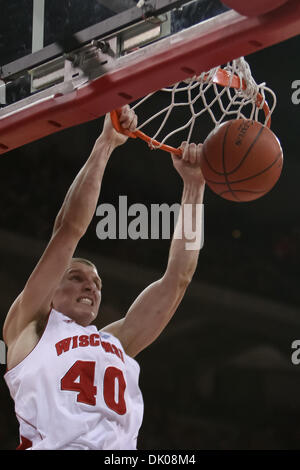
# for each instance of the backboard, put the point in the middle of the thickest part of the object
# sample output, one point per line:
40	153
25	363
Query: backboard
65	62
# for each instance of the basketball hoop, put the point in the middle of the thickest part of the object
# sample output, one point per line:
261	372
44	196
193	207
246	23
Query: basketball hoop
228	92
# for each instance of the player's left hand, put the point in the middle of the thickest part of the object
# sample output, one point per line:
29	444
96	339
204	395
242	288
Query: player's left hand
188	164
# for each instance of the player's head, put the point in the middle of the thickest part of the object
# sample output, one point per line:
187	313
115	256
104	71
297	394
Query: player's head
79	294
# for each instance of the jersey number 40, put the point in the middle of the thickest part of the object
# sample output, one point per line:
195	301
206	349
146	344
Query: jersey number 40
80	378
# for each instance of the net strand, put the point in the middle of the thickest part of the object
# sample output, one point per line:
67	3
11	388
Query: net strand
246	100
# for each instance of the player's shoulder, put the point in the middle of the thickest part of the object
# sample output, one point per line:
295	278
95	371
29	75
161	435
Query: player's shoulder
114	329
14	324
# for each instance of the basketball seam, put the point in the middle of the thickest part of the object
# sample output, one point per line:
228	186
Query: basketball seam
223	163
241	161
249	177
205	158
242	191
248	151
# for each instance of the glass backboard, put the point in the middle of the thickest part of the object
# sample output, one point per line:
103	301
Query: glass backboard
37	31
28	26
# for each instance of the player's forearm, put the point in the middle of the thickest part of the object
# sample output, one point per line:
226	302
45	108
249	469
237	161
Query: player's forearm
186	242
81	200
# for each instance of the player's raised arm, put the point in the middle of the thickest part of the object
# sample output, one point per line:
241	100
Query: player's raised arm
156	305
70	225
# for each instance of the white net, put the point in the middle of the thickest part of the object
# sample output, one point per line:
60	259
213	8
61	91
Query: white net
224	93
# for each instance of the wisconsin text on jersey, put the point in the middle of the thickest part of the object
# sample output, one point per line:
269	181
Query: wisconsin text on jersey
82	341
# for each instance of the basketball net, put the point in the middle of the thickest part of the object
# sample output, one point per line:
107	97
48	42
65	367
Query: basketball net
224	93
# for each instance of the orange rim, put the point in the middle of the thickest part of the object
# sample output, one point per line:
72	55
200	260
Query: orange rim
223	78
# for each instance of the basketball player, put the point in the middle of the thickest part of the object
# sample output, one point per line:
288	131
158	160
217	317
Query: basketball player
73	386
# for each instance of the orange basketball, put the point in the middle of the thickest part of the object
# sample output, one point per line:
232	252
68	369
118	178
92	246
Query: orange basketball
241	160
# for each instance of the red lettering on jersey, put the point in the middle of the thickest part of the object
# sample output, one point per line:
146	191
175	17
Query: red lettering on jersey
63	346
85	371
75	342
121	355
111	376
115	350
84	340
94	341
106	346
111	348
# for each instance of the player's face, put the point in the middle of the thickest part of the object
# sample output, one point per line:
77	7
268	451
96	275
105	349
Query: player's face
79	293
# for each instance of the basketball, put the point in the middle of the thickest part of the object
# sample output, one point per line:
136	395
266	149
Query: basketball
241	160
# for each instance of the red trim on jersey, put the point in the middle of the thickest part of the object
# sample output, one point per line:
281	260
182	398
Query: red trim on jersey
24	444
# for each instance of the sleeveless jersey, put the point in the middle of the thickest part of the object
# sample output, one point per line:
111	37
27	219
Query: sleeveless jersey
77	389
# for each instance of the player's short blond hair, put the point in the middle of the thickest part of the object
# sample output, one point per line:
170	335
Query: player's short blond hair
84	261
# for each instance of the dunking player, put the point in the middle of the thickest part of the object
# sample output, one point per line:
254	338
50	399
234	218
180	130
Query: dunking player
73	386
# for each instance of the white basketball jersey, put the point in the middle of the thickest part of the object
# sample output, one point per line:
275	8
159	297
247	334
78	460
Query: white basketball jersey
76	390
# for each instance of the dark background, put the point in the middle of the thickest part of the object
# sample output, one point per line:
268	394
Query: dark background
220	376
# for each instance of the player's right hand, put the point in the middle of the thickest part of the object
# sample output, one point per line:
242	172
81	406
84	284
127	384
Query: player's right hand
128	121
